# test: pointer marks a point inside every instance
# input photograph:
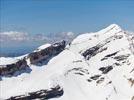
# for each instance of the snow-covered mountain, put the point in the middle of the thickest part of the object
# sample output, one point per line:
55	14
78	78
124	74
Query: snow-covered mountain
96	66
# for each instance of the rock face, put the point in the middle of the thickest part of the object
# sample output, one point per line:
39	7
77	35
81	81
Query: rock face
41	94
35	57
47	52
10	69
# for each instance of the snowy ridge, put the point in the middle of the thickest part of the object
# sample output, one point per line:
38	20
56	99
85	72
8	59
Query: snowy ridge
43	46
97	66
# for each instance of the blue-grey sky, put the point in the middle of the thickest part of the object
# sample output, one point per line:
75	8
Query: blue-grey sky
53	16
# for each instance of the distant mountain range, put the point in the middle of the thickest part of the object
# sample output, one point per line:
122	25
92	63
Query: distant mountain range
22	36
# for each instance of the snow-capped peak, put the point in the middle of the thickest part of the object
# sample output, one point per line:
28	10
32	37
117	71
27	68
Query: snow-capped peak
114	28
100	62
114	25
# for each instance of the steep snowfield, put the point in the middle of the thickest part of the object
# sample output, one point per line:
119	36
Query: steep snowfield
97	66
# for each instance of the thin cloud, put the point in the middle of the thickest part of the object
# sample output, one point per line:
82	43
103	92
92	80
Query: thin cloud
23	36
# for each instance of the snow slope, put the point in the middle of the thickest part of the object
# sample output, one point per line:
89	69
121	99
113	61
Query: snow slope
97	66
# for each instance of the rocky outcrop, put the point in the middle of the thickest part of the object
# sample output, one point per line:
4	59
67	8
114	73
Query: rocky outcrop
34	57
105	70
10	69
101	47
41	94
46	53
91	52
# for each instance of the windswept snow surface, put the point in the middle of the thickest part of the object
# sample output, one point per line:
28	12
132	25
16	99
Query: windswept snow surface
107	73
10	60
43	47
7	60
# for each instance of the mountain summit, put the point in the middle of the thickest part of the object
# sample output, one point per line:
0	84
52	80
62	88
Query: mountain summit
96	66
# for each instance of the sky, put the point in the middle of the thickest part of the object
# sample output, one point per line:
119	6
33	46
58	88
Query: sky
53	16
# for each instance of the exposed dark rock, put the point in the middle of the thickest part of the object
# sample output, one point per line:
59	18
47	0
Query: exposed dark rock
89	80
109	55
132	98
46	53
35	57
105	70
103	49
104	58
118	36
41	94
100	80
109	82
94	50
117	64
121	57
132	70
79	71
10	69
112	54
95	77
100	47
115	37
91	52
131	81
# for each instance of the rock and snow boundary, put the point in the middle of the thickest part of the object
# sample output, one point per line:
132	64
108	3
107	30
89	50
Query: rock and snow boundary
97	66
